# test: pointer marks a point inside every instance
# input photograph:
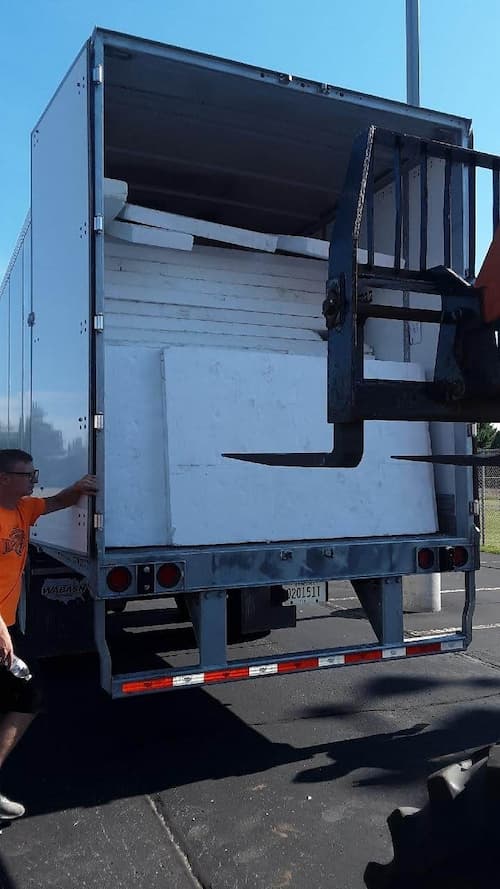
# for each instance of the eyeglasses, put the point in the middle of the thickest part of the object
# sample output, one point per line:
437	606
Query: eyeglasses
33	476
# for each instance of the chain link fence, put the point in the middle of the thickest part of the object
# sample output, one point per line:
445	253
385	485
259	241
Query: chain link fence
489	503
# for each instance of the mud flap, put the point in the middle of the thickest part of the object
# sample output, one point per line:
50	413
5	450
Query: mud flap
56	612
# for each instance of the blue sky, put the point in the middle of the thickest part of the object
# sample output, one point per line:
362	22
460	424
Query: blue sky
358	44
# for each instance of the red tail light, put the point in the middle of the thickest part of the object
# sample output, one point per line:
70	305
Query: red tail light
425	559
169	575
460	556
119	579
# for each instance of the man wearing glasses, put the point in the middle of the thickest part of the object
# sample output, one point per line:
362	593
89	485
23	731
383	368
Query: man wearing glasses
20	699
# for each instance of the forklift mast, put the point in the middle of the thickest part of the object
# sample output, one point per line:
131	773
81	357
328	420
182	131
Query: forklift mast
466	381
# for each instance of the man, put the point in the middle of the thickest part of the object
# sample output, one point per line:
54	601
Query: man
19	698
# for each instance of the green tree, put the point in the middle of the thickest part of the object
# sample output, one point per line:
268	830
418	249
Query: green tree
486	434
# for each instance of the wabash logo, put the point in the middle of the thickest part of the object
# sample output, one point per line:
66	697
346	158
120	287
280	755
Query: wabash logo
65	589
14	543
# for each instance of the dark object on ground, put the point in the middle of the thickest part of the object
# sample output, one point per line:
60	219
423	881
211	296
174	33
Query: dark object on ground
452	842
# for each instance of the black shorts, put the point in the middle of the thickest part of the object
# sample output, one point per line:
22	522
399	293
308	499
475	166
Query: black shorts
20	695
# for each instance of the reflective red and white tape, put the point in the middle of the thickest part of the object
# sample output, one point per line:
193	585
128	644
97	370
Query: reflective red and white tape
229	674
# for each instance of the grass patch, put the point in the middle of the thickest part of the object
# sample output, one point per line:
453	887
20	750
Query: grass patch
490	530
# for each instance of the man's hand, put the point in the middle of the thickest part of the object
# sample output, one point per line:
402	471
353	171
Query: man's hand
86	486
6	648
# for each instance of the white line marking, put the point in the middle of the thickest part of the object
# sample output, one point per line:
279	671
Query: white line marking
437	631
343	599
480	589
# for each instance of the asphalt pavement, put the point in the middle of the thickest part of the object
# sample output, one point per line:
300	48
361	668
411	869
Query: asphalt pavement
272	783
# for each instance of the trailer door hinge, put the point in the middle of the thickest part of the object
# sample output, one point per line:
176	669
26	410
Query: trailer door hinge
98	521
98	74
473	507
30	320
472	430
99	322
99	223
98	421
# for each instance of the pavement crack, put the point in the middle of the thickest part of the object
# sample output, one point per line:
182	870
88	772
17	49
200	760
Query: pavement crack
480	660
156	803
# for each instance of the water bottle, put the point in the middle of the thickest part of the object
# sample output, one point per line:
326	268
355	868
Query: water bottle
19	669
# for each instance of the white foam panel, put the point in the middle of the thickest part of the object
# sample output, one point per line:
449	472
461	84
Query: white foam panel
171	485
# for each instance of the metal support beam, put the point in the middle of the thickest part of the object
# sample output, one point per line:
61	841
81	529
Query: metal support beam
382	602
470	600
217	199
412	52
208	614
105	668
116	153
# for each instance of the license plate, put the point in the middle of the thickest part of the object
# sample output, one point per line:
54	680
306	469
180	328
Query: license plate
305	593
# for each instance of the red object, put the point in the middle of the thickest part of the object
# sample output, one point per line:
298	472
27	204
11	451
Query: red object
425	559
360	656
460	556
489	280
231	673
119	579
169	575
303	664
426	648
147	685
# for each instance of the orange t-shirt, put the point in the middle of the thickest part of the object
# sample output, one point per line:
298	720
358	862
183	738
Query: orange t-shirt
14	537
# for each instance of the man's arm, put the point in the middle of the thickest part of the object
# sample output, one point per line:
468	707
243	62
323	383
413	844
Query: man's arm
85	486
6	649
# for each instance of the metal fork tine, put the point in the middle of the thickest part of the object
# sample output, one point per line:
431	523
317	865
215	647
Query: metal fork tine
453	459
347	451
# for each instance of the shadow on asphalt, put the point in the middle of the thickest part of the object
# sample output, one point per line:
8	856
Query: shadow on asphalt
410	754
87	750
349	613
6	881
388	686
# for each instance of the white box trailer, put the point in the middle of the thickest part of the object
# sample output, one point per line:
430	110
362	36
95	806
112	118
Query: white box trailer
162	309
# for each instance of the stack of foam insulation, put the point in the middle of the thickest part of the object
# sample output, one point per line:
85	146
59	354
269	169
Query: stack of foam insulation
214	343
